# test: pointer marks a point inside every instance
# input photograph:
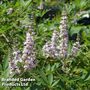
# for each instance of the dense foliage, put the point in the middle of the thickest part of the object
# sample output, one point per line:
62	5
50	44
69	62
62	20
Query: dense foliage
69	73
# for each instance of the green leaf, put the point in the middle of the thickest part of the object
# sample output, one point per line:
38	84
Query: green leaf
28	2
50	79
75	29
87	77
55	83
5	62
43	78
28	88
48	68
22	2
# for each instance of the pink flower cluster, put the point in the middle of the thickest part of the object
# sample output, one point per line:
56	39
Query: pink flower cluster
58	46
75	48
13	63
50	49
28	55
63	36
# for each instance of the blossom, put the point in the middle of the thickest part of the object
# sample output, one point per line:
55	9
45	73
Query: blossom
63	46
75	48
28	58
16	57
50	49
29	52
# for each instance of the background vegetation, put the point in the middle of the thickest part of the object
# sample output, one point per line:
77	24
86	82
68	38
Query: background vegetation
48	73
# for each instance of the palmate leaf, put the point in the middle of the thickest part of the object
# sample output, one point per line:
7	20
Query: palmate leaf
44	78
25	4
40	77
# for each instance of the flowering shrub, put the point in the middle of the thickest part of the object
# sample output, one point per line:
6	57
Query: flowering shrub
60	49
48	57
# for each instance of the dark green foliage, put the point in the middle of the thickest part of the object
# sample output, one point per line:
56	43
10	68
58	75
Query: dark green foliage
48	73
